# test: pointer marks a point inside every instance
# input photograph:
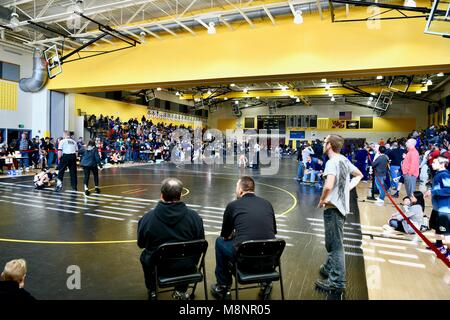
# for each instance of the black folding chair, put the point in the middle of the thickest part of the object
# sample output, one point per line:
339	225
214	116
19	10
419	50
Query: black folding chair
180	263
257	261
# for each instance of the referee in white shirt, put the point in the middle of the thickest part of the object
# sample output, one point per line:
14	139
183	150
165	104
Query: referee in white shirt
67	155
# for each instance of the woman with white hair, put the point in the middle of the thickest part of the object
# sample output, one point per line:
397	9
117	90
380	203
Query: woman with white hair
410	167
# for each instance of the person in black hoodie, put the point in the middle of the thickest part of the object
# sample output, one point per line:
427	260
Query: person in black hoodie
90	159
13	281
170	221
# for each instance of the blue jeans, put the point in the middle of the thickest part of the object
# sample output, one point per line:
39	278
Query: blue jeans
26	161
362	166
224	255
395	170
334	244
378	181
400	226
300	170
311	174
51	158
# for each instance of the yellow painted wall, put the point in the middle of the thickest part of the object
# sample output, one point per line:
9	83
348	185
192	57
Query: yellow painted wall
108	107
224	124
123	110
8	95
312	48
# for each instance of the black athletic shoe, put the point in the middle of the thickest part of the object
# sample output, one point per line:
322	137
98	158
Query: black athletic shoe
58	188
327	286
323	272
152	295
97	190
87	192
265	291
220	292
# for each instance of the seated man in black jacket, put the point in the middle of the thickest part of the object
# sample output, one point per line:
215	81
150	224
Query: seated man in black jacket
13	281
170	221
247	218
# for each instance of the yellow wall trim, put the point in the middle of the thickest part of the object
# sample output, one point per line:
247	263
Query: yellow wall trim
8	95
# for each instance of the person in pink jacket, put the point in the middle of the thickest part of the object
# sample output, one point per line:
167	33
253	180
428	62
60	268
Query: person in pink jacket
410	167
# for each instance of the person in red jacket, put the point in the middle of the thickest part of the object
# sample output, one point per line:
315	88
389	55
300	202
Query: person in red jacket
410	167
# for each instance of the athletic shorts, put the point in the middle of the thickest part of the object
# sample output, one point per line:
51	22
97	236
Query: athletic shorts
440	222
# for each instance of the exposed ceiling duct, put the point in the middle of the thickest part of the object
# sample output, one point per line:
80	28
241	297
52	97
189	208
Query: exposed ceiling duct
39	77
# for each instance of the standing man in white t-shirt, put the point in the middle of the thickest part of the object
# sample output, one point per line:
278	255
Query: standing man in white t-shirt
336	201
67	155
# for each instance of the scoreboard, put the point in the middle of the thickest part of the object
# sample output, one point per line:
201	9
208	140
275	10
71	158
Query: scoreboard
272	122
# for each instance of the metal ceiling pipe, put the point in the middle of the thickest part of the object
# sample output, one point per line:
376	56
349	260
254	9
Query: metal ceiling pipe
39	77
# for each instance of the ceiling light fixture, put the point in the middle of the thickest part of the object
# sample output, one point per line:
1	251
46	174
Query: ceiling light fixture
257	98
14	21
232	85
225	98
209	92
236	102
297	100
333	99
410	3
373	93
327	86
324	80
370	98
379	77
330	94
211	28
142	37
298	18
418	92
429	82
158	89
440	74
177	93
245	90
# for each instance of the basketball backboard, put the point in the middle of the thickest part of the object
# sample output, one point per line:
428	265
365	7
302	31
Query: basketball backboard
438	22
53	62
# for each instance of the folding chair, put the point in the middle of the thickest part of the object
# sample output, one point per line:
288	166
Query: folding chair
257	261
180	263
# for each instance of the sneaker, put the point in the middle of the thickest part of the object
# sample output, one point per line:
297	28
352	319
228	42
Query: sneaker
152	295
58	187
87	192
327	286
180	295
323	272
371	198
265	291
395	195
220	292
379	202
97	190
442	248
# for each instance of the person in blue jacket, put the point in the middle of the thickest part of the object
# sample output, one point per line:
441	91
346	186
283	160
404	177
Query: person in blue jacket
440	198
90	161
